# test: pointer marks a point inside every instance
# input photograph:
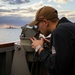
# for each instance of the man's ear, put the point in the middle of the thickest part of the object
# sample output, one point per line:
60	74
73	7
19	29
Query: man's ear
46	22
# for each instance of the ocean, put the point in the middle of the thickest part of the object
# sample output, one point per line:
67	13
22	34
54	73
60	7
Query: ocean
9	35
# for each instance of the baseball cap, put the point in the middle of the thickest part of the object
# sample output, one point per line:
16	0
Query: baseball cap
45	12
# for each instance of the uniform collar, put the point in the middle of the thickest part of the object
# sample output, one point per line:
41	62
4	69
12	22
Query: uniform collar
63	20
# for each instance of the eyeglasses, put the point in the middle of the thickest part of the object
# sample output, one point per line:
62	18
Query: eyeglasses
37	25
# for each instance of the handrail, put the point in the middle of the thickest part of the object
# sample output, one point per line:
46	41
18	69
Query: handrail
7	44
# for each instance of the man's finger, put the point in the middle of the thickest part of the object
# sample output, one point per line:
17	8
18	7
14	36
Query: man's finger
31	39
34	38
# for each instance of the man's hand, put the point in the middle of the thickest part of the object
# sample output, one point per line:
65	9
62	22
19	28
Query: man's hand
36	42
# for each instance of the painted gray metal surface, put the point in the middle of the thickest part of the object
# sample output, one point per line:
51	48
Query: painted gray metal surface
19	65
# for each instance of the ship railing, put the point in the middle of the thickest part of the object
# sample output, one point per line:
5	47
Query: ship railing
18	59
6	56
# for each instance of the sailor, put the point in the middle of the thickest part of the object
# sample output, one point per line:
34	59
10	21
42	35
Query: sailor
61	59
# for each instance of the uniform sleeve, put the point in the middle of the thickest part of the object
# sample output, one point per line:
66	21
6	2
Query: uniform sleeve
61	61
48	59
64	51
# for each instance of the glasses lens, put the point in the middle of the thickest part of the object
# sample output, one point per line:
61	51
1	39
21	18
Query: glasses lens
35	26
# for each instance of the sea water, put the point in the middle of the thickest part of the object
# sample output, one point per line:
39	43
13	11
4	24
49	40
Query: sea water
9	35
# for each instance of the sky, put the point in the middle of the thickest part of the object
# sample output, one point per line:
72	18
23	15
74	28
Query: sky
21	12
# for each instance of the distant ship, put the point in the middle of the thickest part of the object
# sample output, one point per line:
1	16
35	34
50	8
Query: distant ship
10	27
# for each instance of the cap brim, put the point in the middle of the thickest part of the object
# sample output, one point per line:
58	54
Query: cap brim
33	23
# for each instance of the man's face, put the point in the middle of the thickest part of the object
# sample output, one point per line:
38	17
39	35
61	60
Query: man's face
42	27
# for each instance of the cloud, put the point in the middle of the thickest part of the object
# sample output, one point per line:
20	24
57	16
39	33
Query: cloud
15	20
69	14
38	5
22	15
16	1
60	1
71	0
2	10
29	8
59	6
49	0
19	15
